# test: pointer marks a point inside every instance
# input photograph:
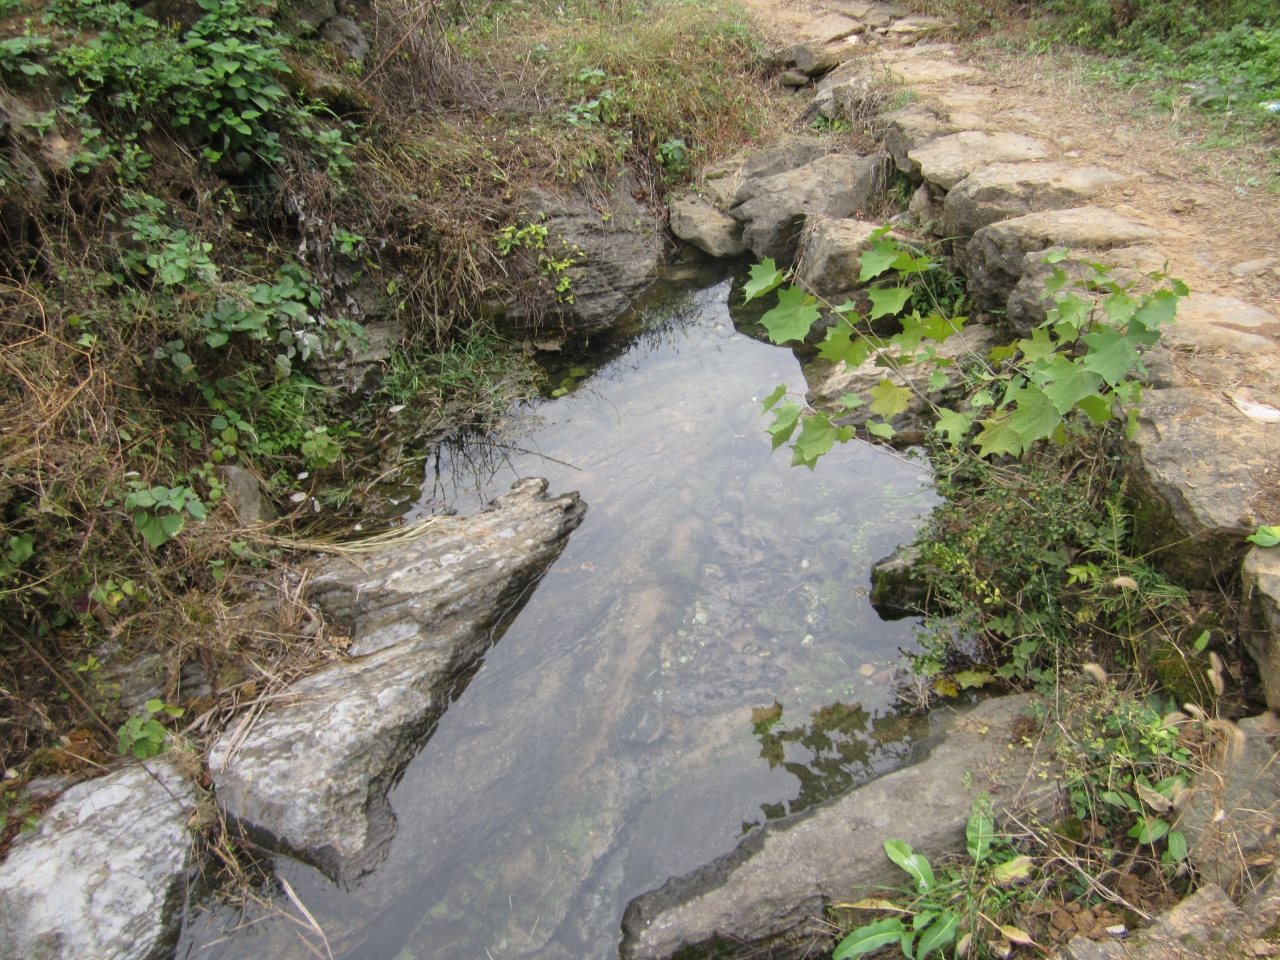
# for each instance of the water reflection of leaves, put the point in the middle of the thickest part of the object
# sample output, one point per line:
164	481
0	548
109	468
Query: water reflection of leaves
841	746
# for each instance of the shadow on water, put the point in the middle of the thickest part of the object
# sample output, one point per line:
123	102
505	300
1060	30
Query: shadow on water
628	724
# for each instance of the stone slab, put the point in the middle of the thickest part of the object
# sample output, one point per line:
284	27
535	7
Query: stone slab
1003	191
947	160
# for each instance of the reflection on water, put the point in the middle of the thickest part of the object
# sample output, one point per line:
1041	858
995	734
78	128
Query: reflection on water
623	730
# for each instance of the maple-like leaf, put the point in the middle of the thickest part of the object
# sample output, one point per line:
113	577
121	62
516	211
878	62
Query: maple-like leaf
888	399
764	276
791	319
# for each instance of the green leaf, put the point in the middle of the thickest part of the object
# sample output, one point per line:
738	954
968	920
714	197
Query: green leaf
878	428
888	399
1265	536
972	679
877	258
1056	255
1111	354
887	301
937	380
868	938
1019	868
1148	830
21	549
1070	382
1096	407
1035	416
979	832
998	436
840	346
1159	308
939	329
764	277
779	392
939	935
1177	849
953	425
915	865
784	423
1039	347
791	319
817	436
196	509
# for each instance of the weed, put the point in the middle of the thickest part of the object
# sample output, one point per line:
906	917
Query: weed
143	735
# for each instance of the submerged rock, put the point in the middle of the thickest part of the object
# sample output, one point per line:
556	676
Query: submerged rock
769	896
104	874
310	775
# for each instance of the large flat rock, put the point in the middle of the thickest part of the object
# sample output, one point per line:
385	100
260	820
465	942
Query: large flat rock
945	161
1002	191
773	209
708	228
995	258
771	893
906	129
1197	470
310	775
104	874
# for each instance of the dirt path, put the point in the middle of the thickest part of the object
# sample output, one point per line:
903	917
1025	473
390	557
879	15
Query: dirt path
1215	224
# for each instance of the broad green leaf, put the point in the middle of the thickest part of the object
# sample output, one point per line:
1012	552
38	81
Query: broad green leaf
779	392
817	436
1065	383
1177	849
196	509
1068	316
939	329
850	401
1111	354
1118	799
887	301
915	865
1035	415
972	679
998	436
1148	830
840	346
869	938
953	425
791	319
877	258
1038	347
764	276
939	935
979	831
878	428
1119	307
784	423
888	399
981	399
1265	536
1019	868
937	380
1160	308
1055	282
1096	407
1056	255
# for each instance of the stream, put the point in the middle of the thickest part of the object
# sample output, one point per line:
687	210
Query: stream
701	658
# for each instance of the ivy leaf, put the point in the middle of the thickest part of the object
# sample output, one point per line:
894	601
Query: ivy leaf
953	425
779	392
938	328
784	423
764	277
877	258
888	400
1111	354
1160	307
1035	416
887	301
998	436
1119	308
791	319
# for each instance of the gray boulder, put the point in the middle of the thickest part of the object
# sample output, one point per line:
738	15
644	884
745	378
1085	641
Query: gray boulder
1229	817
902	131
615	257
769	897
773	209
1261	628
996	257
1195	466
1005	190
712	231
813	58
946	161
104	874
828	260
788	155
310	775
